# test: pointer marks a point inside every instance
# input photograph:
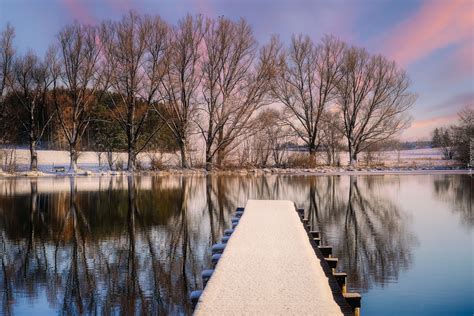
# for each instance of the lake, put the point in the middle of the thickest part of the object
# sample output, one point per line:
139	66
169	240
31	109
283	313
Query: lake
138	245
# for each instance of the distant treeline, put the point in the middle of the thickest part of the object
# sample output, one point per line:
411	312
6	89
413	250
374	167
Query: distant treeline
201	85
457	141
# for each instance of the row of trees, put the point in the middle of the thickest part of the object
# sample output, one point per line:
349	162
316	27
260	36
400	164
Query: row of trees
140	78
457	141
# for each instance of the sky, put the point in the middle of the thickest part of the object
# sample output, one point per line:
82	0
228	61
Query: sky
432	39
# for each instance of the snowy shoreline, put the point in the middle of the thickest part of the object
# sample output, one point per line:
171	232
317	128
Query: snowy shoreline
417	161
244	172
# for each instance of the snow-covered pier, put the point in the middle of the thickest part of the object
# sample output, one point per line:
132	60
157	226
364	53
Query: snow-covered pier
270	267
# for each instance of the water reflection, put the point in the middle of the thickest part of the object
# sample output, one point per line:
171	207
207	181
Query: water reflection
460	190
137	244
375	240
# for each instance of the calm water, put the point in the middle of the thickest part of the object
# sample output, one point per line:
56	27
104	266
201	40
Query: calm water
92	245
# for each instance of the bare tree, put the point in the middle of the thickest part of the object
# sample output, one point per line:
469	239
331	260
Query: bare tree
135	49
463	136
235	85
271	139
179	85
373	97
29	82
6	60
79	61
331	136
306	84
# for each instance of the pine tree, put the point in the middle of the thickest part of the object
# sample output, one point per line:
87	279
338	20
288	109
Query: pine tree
436	140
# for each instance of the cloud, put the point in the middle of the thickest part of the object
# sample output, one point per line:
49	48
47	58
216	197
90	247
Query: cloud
79	11
435	25
434	122
463	59
204	7
444	114
456	102
120	6
422	129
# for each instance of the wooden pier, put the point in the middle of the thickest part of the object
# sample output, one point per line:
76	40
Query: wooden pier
269	265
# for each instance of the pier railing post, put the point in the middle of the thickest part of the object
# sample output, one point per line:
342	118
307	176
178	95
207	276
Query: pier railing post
341	279
353	299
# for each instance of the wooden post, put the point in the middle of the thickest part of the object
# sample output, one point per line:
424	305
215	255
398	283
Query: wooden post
341	279
326	251
332	262
353	299
240	209
314	234
317	241
228	232
300	212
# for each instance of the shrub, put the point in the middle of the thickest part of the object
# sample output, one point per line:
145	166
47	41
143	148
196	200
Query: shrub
9	160
301	160
156	162
119	164
138	164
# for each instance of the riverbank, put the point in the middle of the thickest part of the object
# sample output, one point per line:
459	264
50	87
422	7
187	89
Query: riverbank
245	172
55	163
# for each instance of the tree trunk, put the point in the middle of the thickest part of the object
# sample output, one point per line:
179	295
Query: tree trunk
208	156
352	158
132	157
219	158
33	156
352	154
220	151
131	162
182	148
208	162
312	155
72	158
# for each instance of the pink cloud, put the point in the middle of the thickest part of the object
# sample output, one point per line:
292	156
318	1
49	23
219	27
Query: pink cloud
437	24
205	8
455	103
422	129
121	6
434	122
79	11
463	59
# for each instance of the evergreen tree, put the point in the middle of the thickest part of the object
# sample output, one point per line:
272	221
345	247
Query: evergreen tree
436	140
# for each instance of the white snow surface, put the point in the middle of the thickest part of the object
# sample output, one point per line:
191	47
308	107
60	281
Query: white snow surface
87	161
427	159
268	268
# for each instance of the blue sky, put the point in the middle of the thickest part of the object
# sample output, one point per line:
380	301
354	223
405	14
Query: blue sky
432	39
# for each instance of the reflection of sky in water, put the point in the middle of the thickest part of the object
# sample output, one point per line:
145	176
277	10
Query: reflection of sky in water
405	241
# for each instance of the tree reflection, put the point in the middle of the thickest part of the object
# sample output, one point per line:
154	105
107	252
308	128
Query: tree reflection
458	191
121	250
368	232
137	245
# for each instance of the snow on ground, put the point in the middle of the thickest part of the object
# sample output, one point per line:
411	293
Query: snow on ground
88	163
413	158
